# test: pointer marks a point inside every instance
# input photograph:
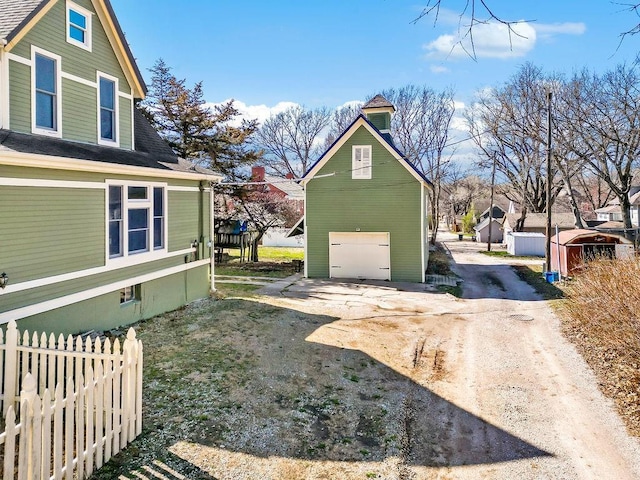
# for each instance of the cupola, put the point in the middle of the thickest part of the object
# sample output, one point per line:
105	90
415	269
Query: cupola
378	111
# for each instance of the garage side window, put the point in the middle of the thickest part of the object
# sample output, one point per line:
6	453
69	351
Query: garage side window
361	162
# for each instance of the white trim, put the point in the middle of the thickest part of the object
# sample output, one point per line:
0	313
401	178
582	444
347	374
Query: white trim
18	313
58	79
185	189
4	88
359	172
125	258
360	122
45	281
306	237
75	78
424	235
62	163
37	182
124	95
19	59
133	130
116	110
88	30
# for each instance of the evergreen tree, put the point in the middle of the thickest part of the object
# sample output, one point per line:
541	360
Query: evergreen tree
211	137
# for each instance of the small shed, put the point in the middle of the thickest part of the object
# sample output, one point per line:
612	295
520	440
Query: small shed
482	230
532	244
575	247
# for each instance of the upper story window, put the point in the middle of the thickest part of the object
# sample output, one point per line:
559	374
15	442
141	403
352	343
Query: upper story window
78	26
361	162
107	110
136	219
45	98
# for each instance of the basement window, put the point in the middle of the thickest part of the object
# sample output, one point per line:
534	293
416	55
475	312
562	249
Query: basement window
130	294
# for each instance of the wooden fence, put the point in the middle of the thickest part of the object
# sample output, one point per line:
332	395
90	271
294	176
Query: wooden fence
68	407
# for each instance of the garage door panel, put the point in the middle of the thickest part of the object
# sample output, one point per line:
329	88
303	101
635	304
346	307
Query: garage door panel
359	255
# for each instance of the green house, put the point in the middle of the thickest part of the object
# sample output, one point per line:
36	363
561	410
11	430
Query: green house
100	223
366	206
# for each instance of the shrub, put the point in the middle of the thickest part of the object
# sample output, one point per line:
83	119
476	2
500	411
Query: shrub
603	317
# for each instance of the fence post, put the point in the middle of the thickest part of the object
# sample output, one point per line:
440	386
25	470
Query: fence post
10	365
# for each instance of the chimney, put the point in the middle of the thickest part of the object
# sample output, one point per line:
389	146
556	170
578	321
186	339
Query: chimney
289	176
378	111
257	174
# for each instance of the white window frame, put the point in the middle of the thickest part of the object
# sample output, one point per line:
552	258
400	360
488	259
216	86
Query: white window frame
116	113
150	253
86	45
358	171
57	132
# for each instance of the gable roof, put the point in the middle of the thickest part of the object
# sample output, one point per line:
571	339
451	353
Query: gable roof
290	188
18	17
384	140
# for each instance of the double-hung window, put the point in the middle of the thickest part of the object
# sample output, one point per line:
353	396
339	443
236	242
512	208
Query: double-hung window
361	162
136	219
107	110
78	26
45	76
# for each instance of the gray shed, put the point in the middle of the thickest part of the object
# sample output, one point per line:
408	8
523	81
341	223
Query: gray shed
482	230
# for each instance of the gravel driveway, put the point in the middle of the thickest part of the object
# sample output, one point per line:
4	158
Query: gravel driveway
339	380
494	389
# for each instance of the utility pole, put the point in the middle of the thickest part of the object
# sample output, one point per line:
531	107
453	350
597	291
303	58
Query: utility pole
549	176
493	182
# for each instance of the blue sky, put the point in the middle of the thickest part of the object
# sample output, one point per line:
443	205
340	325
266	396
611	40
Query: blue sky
326	53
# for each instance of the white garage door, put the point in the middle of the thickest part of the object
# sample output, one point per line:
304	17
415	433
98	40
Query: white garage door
359	255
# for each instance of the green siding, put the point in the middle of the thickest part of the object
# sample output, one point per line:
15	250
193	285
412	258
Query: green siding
79	104
51	231
183	215
19	97
124	114
388	202
106	312
79	112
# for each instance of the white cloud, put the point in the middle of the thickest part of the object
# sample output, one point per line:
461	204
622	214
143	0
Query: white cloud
497	40
439	69
490	40
257	112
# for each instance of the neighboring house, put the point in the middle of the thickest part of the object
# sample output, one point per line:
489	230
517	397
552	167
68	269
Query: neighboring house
537	222
292	192
366	206
497	212
634	199
610	213
102	225
482	230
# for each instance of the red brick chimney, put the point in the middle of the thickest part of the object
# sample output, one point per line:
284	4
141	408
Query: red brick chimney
257	174
289	176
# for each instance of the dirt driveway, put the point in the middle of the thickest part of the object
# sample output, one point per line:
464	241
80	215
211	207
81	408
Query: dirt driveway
352	381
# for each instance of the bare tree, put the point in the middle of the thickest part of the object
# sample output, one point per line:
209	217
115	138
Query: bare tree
341	118
420	126
292	139
606	115
507	123
479	12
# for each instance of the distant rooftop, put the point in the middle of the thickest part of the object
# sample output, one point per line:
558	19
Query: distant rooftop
378	102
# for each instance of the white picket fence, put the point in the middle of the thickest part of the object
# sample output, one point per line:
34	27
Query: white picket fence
68	406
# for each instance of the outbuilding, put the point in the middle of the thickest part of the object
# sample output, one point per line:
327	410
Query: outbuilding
572	248
482	230
530	244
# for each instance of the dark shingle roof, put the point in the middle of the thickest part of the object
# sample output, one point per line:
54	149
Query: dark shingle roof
147	139
378	102
15	13
539	220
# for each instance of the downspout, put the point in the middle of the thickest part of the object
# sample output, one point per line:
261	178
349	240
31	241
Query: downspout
212	238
